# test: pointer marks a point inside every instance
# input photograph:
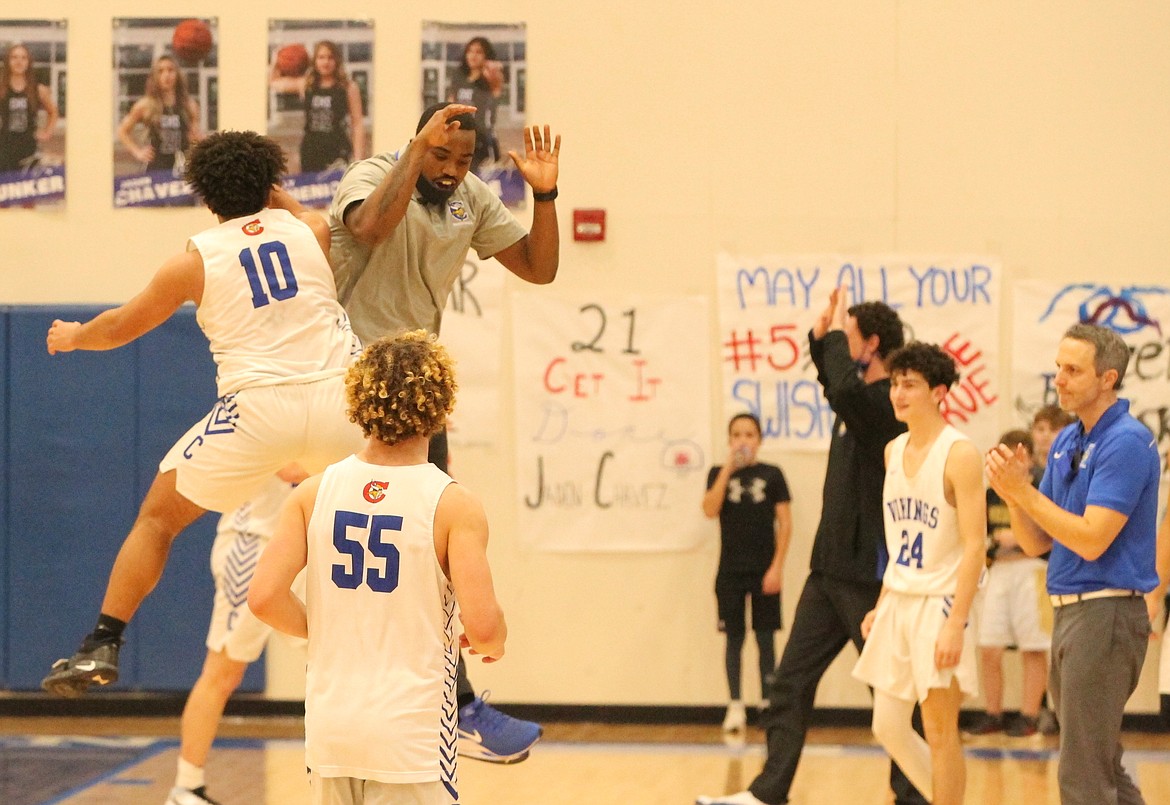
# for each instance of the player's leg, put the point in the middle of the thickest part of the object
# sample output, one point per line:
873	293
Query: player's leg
138	567
893	728
940	720
218	680
235	637
991	661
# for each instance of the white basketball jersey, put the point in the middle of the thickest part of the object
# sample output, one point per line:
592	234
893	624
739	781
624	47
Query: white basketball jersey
922	532
380	691
269	306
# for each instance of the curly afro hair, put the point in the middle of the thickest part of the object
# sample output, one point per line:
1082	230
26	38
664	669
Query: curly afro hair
401	387
936	367
234	171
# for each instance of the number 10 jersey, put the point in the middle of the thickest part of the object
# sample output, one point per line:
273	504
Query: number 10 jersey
269	306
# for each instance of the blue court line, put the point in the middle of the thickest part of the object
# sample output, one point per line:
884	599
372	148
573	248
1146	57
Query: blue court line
148	752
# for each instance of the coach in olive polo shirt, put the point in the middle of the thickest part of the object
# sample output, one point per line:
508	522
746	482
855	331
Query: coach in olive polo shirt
402	223
401	228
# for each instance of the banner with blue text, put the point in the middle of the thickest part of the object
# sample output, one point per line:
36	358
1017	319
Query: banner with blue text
767	305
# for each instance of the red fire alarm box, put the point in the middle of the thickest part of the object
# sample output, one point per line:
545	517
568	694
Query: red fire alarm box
588	224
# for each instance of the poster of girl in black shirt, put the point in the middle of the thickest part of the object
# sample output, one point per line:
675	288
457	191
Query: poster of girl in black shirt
485	66
319	80
32	125
166	85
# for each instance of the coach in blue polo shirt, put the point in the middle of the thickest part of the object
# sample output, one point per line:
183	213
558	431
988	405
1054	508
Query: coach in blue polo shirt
1096	510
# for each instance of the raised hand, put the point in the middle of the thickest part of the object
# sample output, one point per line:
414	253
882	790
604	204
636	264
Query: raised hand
437	131
539	166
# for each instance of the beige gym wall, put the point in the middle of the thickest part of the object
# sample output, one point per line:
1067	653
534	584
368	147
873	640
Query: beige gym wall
1034	132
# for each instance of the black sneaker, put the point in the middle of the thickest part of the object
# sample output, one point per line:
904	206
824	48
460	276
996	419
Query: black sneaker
93	664
986	724
1022	726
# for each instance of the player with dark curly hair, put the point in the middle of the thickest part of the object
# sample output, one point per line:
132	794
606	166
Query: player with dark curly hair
234	172
380	691
936	367
282	343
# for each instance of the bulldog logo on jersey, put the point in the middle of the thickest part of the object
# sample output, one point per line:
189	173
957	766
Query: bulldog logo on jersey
253	227
375	491
458	211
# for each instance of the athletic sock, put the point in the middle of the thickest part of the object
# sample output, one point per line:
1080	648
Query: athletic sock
108	630
189	776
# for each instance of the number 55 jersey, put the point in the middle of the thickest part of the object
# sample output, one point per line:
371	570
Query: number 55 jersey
380	689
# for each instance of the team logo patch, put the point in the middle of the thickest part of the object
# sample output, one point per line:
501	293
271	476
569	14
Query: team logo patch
458	211
375	491
253	227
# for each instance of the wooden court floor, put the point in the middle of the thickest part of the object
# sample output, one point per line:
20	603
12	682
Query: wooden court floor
260	761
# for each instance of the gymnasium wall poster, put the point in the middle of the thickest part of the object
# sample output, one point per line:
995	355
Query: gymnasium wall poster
166	96
33	77
1140	314
767	305
484	65
473	334
613	421
320	83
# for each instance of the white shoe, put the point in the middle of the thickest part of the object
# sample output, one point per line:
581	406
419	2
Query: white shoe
736	718
742	798
188	796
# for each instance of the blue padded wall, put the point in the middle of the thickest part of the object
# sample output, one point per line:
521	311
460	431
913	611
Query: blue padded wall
86	431
4	572
72	433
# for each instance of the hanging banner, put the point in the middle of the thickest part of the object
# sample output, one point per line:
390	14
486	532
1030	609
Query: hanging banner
484	65
166	90
473	333
32	112
613	421
320	82
768	305
1042	311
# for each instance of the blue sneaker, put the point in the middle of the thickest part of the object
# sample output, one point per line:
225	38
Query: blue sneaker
487	734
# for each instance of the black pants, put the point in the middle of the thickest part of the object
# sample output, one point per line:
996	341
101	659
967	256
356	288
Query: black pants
827	617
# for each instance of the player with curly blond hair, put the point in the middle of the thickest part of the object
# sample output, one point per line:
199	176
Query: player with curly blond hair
390	543
420	369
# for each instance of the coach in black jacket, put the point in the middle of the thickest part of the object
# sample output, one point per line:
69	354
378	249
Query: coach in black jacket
849	349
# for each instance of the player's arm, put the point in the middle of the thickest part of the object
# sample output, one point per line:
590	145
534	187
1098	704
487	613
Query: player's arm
281	199
270	593
461	518
963	477
1087	535
357	127
774	575
536	256
375	218
179	280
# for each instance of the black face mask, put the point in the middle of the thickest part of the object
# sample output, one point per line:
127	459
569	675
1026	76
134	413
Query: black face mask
431	195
